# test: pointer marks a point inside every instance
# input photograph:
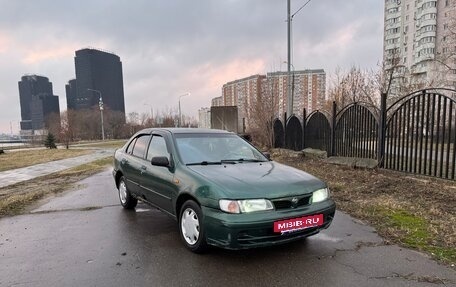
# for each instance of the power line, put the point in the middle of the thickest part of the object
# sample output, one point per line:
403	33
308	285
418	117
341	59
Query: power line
300	8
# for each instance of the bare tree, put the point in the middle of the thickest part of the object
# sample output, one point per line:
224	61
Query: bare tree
66	132
353	86
52	123
261	109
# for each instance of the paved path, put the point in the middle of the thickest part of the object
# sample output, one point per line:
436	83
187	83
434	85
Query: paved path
13	176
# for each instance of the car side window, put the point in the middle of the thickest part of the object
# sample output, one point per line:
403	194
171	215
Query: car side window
140	146
157	147
131	145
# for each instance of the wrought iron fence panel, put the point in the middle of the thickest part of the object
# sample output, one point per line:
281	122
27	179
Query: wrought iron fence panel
279	134
293	135
356	132
317	132
421	135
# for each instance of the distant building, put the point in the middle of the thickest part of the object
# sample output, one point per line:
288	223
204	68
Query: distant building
71	94
217	102
308	89
204	118
242	93
100	71
419	43
37	102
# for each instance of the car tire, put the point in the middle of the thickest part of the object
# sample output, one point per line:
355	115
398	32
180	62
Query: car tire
125	197
191	227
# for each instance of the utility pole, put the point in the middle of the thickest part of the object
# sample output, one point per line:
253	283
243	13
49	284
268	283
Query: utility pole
289	95
290	86
179	121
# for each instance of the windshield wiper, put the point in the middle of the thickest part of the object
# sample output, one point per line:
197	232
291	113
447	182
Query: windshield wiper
204	162
245	160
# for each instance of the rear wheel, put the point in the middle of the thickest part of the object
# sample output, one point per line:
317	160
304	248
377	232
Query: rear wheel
191	229
126	199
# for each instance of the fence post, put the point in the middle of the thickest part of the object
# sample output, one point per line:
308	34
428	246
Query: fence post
333	129
285	130
382	131
304	115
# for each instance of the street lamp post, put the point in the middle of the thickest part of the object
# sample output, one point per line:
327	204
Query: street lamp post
292	84
180	114
289	27
100	104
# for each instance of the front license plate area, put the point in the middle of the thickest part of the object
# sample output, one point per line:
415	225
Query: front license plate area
296	224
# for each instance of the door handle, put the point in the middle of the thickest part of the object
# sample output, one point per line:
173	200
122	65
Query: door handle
124	161
143	169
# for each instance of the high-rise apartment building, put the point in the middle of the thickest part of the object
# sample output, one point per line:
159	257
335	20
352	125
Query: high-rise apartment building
100	71
217	102
243	93
37	102
309	88
419	42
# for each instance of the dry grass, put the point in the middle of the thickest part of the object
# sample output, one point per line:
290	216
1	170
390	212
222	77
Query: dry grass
415	211
14	199
17	159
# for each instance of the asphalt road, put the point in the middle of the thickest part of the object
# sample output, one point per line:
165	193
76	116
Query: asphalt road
84	238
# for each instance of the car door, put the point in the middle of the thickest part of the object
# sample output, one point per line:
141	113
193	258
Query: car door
157	181
132	162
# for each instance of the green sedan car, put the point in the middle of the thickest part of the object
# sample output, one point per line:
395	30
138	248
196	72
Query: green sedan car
220	189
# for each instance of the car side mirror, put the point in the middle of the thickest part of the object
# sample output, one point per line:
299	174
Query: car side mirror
160	161
267	155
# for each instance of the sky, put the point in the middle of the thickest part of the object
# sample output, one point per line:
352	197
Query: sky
172	47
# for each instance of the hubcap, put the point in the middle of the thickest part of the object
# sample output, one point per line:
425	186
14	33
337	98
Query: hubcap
123	192
190	226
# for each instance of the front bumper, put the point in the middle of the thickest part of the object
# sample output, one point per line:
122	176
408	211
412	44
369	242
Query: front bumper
241	231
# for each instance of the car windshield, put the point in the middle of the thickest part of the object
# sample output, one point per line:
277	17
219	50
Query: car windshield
215	148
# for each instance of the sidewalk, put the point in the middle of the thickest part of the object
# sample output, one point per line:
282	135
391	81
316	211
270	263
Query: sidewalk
13	176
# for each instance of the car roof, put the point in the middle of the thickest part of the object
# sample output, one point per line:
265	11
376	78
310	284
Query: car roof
186	131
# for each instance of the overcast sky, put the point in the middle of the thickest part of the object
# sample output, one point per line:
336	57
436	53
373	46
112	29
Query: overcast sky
171	47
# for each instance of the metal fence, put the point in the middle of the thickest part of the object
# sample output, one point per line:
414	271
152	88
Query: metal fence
416	134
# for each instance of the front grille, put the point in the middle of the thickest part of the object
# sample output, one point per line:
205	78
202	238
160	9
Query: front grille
287	203
255	236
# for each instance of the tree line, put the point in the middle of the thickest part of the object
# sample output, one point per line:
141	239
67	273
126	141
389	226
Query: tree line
78	125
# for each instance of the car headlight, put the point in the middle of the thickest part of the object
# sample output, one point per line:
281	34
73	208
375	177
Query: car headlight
245	206
320	195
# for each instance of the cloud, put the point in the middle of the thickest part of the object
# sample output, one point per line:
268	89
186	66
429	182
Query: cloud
170	47
45	53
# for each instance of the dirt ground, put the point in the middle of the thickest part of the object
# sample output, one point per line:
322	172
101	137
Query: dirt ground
414	211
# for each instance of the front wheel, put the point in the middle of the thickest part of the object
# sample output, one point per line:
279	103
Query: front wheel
126	199
191	229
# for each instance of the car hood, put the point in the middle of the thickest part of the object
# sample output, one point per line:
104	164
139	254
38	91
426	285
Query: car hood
258	180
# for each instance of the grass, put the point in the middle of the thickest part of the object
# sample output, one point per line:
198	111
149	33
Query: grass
17	159
17	198
412	231
413	211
